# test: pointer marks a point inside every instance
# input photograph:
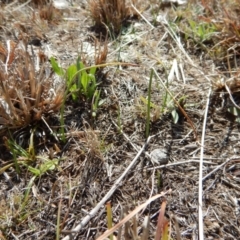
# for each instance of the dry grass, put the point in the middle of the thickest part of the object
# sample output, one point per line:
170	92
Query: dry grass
100	52
26	94
98	151
110	15
50	14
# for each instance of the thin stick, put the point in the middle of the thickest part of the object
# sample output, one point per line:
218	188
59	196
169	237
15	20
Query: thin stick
108	195
178	163
200	183
137	148
176	39
218	167
152	27
51	131
231	97
21	6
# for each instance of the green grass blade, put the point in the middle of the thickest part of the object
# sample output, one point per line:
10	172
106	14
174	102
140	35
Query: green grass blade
149	105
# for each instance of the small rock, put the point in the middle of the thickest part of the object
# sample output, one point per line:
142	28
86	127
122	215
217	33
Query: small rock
159	156
61	4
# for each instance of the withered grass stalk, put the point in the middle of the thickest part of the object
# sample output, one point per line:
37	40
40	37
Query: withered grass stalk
109	14
25	94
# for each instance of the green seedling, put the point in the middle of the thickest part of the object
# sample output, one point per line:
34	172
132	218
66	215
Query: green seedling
144	109
201	31
38	171
169	106
81	80
235	112
86	80
27	158
48	164
19	154
149	105
96	102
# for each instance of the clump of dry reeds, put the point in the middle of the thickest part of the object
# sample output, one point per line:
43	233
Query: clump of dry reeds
26	95
49	13
110	15
100	52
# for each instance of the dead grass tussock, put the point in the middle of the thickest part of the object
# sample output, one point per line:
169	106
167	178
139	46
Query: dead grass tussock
26	95
50	14
110	14
101	52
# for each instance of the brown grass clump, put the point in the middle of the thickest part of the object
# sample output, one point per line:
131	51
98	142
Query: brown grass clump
40	2
109	15
225	16
100	52
50	14
25	94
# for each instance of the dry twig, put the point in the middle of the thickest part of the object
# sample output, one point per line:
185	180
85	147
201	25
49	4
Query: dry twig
93	212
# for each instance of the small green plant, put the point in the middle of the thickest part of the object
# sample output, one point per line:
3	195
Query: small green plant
20	155
170	106
154	111
85	82
80	80
27	158
201	31
148	105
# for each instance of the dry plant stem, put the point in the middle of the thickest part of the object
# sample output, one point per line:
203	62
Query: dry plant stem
129	140
21	6
8	56
176	39
51	131
230	96
200	183
236	187
178	163
152	27
179	106
159	232
127	43
220	166
108	195
11	4
178	233
130	215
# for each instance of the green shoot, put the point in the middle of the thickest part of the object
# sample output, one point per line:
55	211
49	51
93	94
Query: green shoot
43	167
80	79
149	105
95	102
26	195
201	31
